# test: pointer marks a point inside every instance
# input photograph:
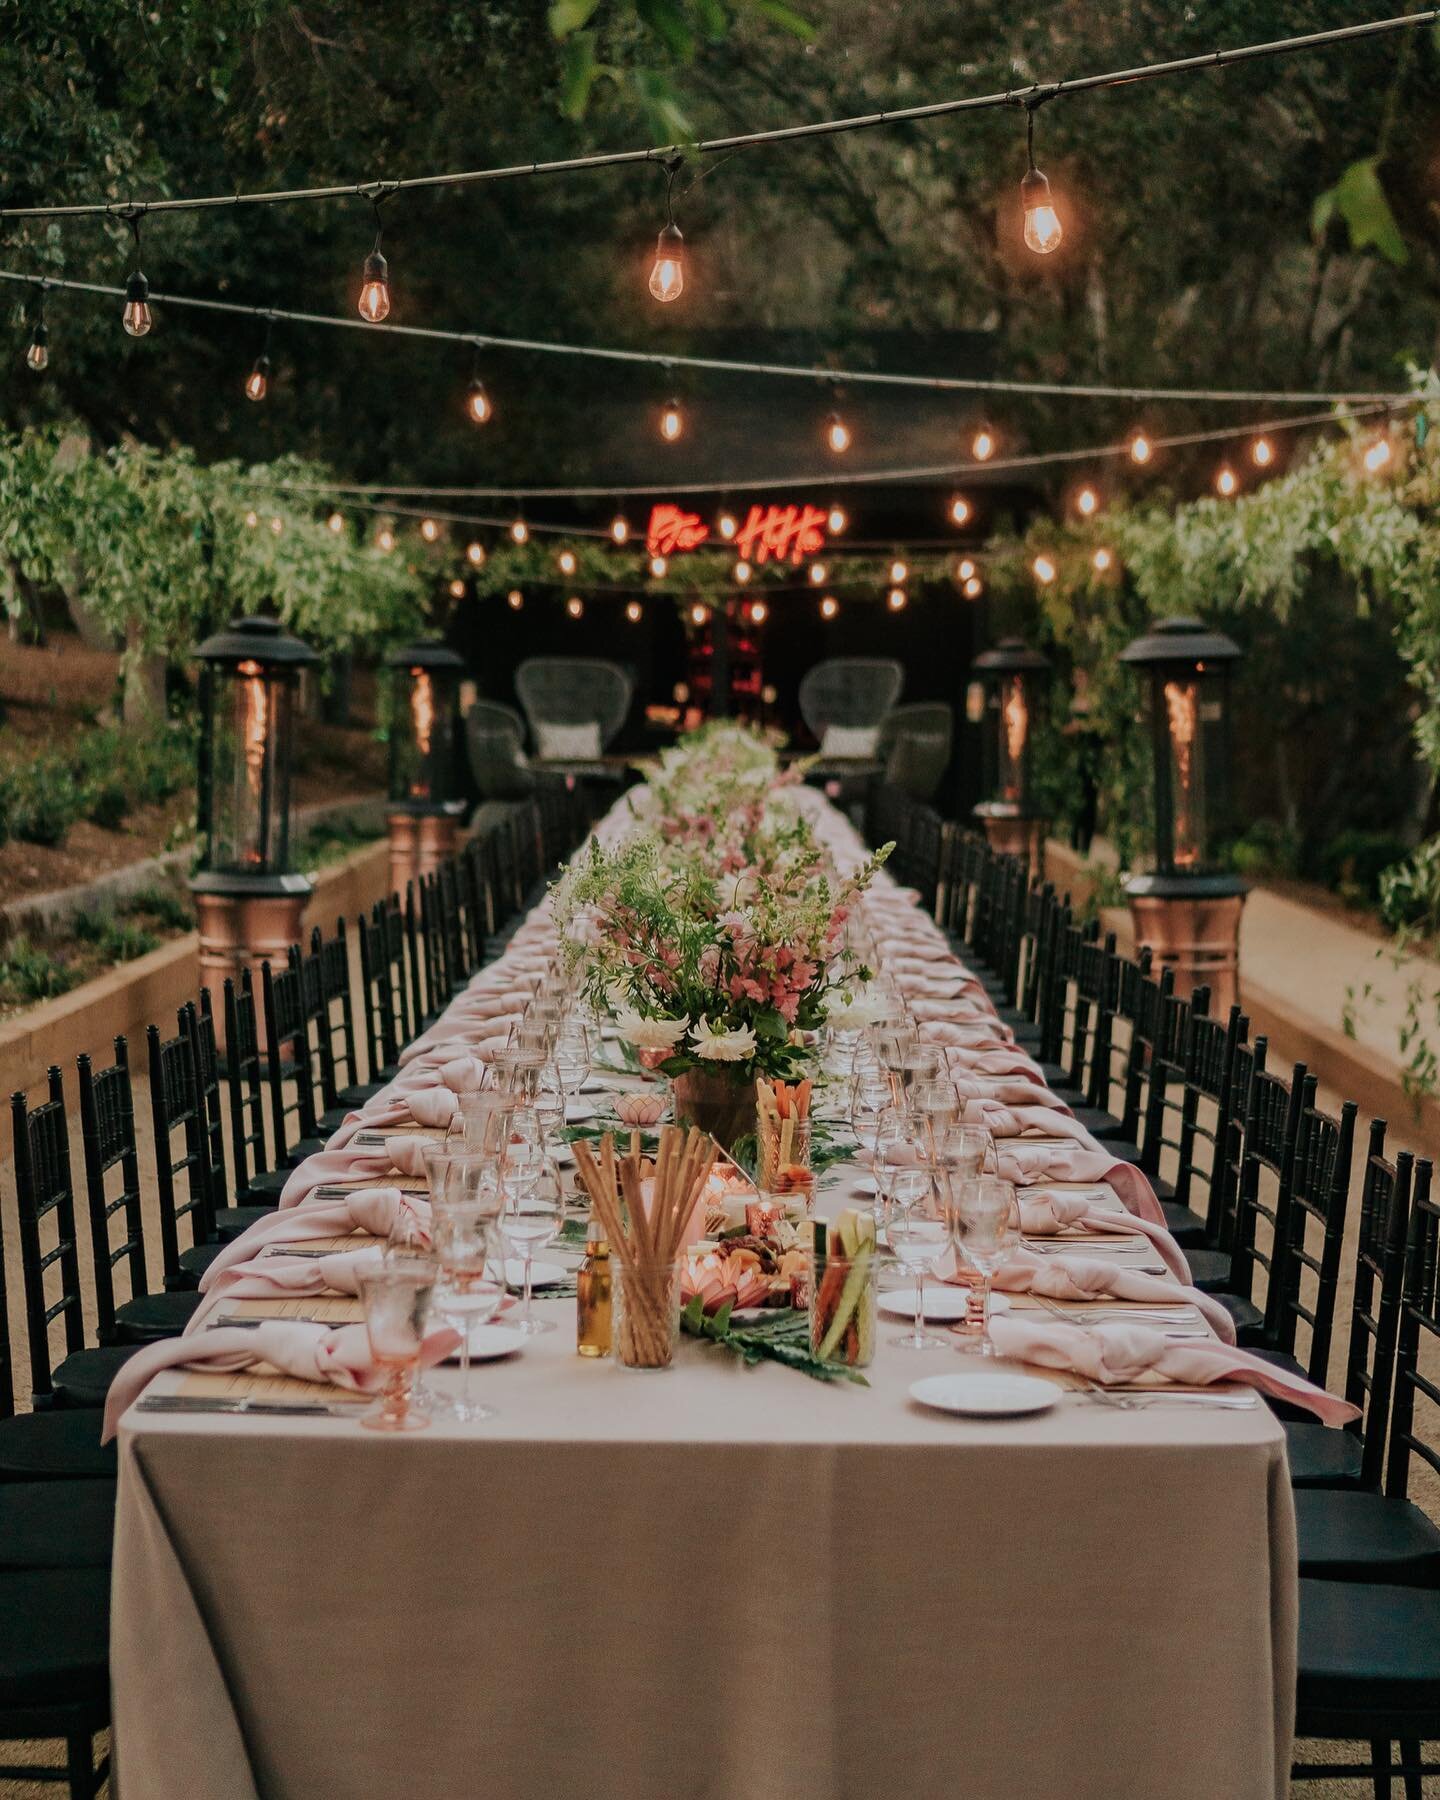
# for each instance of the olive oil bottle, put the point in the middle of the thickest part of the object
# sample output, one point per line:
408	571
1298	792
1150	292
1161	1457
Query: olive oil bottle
592	1295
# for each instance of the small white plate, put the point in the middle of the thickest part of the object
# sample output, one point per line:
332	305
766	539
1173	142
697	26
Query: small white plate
995	1396
542	1274
579	1112
489	1342
944	1305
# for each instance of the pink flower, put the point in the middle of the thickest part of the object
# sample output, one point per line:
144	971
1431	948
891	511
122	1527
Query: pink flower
710	964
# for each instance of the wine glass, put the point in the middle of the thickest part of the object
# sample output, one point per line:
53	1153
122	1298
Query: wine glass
934	1104
985	1224
468	1290
533	1213
894	1148
485	1116
918	1233
397	1304
873	1096
893	1042
574	1053
920	1063
548	1099
408	1246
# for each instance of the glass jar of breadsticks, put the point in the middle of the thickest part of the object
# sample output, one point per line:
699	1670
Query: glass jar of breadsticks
646	1207
782	1140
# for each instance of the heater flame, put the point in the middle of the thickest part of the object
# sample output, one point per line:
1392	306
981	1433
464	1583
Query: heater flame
422	717
1017	730
255	732
1182	712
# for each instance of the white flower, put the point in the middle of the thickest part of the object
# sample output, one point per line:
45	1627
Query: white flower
649	1034
723	1046
858	1008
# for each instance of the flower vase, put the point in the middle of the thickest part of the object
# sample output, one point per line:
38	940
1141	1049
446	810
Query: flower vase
718	1104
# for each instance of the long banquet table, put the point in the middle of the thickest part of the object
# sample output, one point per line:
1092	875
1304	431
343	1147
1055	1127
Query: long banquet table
714	1581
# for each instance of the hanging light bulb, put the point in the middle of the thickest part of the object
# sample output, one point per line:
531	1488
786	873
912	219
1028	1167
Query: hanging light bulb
634	611
829	606
477	402
1042	224
667	272
727	525
475	553
759	612
457	589
620	529
837	521
1378	454
769	693
965	568
37	354
277	525
375	278
898	570
1101	561
252	518
575	606
519	532
658	566
566	560
742	571
1087	502
982	445
386	539
1043	570
672	421
514	599
974	588
1262	453
699	613
895	599
837	434
336	523
1225	480
430	530
136	317
959	510
818	572
257	382
1140	448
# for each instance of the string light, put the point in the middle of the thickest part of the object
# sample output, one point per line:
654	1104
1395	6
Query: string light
252	518
1226	480
515	599
1140	448
634	611
769	694
658	566
1087	502
477	402
336	523
575	606
1377	454
727	525
385	538
136	317
257	382
37	355
837	434
895	599
457	589
1043	570
566	560
759	612
1262	453
965	568
974	588
818	573
430	531
672	422
829	606
1101	561
1042	223
475	553
742	571
837	521
375	279
699	613
519	532
983	444
667	272
959	510
898	570
277	525
620	529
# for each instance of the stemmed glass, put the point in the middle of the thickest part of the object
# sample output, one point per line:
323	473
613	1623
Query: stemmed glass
397	1303
918	1233
934	1104
534	1211
985	1224
467	1291
874	1095
574	1054
485	1119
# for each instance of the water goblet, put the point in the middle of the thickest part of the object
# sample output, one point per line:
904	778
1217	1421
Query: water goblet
985	1224
934	1104
468	1289
530	1219
397	1304
918	1233
874	1094
485	1117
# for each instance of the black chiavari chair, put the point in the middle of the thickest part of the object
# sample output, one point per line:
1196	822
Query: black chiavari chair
291	1060
176	1104
256	1183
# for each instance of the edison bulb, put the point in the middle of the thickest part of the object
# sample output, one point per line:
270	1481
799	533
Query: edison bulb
742	571
336	523
620	529
1043	570
514	599
1262	453
1225	481
837	520
895	599
699	614
519	532
672	422
658	566
982	445
277	525
965	568
1042	223
727	525
759	612
898	570
1378	455
575	606
567	562
477	402
818	572
1087	502
137	318
959	510
386	539
829	606
837	434
475	553
252	518
1101	560
769	693
633	611
1140	448
457	589
257	382
375	289
430	530
667	272
37	356
974	588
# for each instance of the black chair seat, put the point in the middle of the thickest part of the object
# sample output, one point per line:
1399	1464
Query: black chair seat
150	1317
1209	1269
352	1097
303	1147
1187	1228
193	1264
54	1639
263	1189
232	1221
1105	1126
1322	1456
1027	1034
1365	1537
54	1446
1247	1317
84	1378
48	1526
1369	1661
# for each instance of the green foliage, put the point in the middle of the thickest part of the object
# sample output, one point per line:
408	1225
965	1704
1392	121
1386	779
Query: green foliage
1357	861
103	778
162	905
41	800
1359	200
115	940
1410	891
28	973
783	1338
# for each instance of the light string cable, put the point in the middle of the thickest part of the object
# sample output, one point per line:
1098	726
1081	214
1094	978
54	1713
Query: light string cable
828	377
1031	93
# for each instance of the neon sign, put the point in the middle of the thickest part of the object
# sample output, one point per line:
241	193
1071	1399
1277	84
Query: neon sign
769	533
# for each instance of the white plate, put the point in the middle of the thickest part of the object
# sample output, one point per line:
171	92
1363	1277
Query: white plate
579	1112
995	1396
488	1342
865	1185
542	1274
943	1304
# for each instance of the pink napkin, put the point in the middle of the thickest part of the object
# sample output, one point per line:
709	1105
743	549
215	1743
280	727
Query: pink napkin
974	1034
448	1039
920	946
1032	1165
272	1277
432	1106
1011	1122
340	1357
1051	1214
327	1167
964	1059
1007	1090
367	1209
1120	1353
1084	1277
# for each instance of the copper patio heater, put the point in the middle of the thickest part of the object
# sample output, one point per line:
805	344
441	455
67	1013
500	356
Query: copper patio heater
1014	677
1188	910
248	901
425	809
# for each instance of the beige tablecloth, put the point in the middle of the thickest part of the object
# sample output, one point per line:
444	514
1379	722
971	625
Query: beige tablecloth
714	1582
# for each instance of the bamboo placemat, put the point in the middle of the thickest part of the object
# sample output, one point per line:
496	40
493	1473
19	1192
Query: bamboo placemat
263	1383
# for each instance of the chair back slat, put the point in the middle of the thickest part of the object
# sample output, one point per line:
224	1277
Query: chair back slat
1385	1196
249	1155
46	1210
197	1023
107	1135
176	1104
1305	1283
1415	1416
290	1059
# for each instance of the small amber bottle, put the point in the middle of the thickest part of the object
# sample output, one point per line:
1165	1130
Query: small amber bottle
592	1296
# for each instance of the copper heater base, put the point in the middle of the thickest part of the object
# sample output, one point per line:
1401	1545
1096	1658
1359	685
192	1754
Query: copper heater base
1010	835
1198	937
419	843
239	931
